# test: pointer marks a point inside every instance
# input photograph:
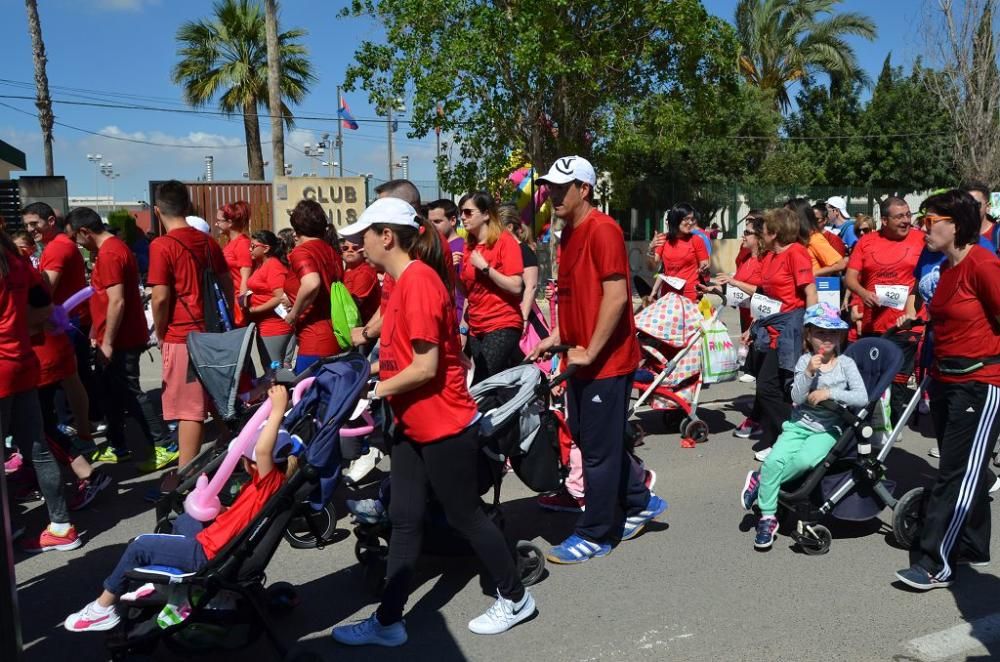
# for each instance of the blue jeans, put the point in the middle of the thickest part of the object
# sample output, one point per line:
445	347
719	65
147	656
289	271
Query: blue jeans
180	550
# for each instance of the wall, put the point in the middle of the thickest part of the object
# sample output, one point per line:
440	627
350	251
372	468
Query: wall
342	198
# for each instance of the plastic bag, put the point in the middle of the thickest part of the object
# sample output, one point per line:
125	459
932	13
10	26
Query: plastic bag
719	356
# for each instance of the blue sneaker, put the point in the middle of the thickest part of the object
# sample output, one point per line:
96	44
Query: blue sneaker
636	523
577	550
750	487
370	631
916	577
767	528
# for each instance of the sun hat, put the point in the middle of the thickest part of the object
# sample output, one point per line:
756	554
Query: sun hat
824	316
390	211
838	203
570	169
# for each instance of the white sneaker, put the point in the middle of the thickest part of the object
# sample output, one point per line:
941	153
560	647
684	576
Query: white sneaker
934	452
762	454
503	615
92	618
747	378
370	631
363	466
996	486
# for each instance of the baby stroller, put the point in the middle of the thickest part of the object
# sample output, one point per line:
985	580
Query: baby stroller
669	378
229	604
516	425
850	483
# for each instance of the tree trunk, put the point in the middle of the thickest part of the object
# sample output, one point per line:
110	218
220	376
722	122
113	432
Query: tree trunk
42	101
274	89
255	158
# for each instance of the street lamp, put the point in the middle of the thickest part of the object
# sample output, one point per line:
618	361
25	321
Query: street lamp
108	170
96	160
331	165
317	151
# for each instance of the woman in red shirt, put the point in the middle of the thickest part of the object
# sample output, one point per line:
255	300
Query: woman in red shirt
313	267
491	277
361	280
682	254
233	219
266	288
965	392
436	446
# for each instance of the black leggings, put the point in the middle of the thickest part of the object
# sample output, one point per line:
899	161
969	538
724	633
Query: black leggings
774	398
448	467
493	352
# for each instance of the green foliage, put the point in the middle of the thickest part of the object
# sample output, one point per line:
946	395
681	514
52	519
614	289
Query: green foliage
124	223
539	78
827	122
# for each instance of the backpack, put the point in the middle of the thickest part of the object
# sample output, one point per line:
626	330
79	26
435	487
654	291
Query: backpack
216	311
344	313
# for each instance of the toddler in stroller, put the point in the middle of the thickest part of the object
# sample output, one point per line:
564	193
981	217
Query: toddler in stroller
822	378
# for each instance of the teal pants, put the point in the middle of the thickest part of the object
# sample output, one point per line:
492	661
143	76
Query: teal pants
797	450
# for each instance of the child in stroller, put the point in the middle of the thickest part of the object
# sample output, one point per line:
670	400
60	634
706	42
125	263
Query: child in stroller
190	546
820	375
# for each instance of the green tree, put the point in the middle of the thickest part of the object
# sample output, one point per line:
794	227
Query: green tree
539	78
226	56
783	42
826	127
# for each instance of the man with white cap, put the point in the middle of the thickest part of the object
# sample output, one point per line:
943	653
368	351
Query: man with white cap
595	320
840	221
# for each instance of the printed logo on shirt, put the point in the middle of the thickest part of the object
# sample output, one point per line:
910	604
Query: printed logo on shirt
597	399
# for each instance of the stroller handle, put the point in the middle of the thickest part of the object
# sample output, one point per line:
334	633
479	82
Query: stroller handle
914	323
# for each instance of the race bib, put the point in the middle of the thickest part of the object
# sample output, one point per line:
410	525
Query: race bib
763	306
892	296
735	297
674	282
281	311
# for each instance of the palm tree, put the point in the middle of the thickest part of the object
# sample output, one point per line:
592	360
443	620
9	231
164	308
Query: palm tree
786	41
227	56
43	102
274	87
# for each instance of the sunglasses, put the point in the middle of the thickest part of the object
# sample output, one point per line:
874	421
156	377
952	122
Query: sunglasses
351	248
254	245
467	213
750	233
930	220
863	231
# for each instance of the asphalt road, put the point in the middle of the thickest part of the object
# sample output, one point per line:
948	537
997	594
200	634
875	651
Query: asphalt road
690	588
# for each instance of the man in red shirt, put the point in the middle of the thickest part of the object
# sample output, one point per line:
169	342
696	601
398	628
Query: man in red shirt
64	271
119	335
176	261
595	319
880	274
981	194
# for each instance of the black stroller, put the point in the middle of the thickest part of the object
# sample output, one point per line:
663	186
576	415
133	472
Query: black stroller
850	484
517	425
229	603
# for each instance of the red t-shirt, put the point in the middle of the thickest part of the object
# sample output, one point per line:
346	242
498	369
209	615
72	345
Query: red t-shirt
835	241
489	307
747	271
388	283
681	259
362	282
268	277
18	364
248	504
421	309
171	264
62	255
881	261
314	330
56	357
115	264
743	255
237	254
784	276
591	253
964	311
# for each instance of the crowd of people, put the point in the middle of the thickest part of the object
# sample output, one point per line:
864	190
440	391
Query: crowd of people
444	289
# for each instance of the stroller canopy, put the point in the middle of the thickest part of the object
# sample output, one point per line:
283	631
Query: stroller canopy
517	388
218	361
672	319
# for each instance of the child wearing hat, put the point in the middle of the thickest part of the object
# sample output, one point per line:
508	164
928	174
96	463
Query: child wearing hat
820	374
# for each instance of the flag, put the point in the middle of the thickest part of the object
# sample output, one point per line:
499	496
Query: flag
346	119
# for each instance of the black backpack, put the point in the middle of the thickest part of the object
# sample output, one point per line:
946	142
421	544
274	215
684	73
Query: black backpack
216	311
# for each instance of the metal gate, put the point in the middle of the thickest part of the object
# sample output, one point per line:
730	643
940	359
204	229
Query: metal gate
208	197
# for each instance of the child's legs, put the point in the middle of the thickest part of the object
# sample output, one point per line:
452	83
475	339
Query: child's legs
797	450
574	481
179	552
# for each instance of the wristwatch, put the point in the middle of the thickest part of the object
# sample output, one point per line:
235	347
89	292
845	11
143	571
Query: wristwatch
486	270
364	333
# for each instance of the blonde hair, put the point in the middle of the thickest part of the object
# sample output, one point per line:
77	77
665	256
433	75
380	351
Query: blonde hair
784	224
865	220
486	205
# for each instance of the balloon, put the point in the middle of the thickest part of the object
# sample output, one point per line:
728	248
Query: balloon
77	298
59	318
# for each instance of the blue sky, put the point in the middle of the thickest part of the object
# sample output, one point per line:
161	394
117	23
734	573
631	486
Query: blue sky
124	50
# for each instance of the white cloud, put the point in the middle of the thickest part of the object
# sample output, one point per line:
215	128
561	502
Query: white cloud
125	5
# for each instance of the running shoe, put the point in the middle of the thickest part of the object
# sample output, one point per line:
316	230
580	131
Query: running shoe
110	456
577	550
367	511
981	563
995	486
762	454
917	577
143	591
370	631
87	489
503	615
161	459
748	496
92	618
362	466
636	523
13	463
747	378
767	529
934	452
47	541
747	429
562	502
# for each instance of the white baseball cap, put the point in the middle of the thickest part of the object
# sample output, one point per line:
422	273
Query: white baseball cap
391	211
840	204
198	223
570	169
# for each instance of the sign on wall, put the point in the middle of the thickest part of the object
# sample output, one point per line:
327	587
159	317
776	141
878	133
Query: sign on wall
342	198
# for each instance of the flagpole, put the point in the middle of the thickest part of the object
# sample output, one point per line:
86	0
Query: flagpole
340	132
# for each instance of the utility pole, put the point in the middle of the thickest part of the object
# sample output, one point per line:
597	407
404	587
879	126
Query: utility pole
340	135
388	128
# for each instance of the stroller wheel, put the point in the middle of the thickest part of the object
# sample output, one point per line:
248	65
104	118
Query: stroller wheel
299	533
530	562
697	430
816	540
907	516
370	549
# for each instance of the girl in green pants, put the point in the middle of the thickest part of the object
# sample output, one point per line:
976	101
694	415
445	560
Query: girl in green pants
806	439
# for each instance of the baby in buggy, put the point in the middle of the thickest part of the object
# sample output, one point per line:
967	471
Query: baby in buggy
820	375
191	546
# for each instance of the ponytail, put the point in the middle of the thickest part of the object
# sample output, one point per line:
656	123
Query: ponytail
427	245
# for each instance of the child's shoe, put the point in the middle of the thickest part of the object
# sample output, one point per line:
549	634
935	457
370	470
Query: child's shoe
750	487
767	529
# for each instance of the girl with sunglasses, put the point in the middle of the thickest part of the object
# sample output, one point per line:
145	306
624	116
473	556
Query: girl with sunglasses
266	288
361	279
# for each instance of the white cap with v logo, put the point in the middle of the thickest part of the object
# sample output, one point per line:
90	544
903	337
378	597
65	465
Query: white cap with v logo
570	169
